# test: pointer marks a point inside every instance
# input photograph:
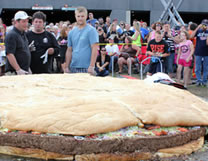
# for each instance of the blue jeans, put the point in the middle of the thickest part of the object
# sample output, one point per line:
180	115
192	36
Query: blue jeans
198	69
102	73
169	62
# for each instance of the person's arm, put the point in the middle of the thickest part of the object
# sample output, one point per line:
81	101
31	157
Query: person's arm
165	55
178	56
13	62
93	58
98	65
149	38
104	65
192	52
195	31
166	52
149	50
68	59
151	53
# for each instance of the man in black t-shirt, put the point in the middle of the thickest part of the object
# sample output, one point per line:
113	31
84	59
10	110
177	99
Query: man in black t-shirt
157	48
16	42
127	32
44	45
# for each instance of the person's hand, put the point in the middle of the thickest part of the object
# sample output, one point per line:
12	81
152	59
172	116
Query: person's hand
66	70
21	72
50	51
200	26
169	34
101	69
187	60
32	46
91	70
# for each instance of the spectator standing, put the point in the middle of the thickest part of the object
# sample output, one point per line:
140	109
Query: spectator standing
168	36
113	33
82	48
107	23
44	45
55	31
102	35
118	28
91	19
102	24
201	52
184	59
9	28
155	27
122	25
127	32
17	49
62	41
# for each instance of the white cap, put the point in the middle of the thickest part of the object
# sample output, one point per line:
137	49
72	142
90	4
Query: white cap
21	15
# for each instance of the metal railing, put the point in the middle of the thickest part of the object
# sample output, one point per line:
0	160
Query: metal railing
141	67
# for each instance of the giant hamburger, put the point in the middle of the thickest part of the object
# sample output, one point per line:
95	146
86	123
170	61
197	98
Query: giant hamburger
83	117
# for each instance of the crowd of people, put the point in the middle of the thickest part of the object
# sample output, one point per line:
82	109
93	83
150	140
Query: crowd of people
99	46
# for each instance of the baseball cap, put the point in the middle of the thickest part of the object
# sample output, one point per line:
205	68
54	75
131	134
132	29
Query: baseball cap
21	15
205	22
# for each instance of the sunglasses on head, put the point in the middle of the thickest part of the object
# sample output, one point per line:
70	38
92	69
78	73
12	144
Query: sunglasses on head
103	50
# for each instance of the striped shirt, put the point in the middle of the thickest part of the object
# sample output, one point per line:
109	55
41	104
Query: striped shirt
170	41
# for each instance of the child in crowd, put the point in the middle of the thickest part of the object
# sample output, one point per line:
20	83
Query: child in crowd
184	59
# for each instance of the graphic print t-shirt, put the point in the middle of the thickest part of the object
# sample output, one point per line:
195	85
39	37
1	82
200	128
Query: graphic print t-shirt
185	49
161	47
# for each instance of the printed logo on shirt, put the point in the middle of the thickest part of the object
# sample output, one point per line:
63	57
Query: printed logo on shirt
45	40
184	48
202	36
157	48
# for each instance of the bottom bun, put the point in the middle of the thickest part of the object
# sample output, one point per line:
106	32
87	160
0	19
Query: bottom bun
162	153
34	153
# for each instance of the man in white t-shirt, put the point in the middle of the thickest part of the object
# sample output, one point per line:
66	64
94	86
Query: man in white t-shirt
113	51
